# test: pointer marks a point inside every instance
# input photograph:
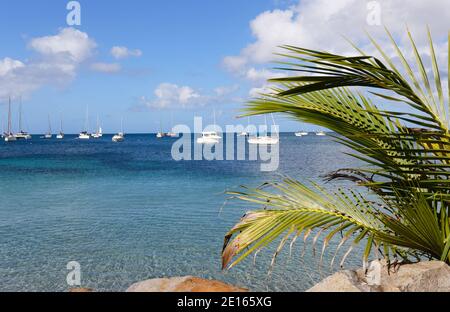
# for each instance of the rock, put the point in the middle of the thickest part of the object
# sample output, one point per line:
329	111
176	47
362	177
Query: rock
183	284
432	276
80	290
344	281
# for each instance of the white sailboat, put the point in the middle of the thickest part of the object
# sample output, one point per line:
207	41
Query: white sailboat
171	134
8	135
245	133
265	139
301	134
99	133
120	137
321	133
210	137
160	134
49	134
60	135
22	135
84	135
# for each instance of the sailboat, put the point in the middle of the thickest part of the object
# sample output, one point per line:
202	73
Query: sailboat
321	133
171	134
99	133
60	135
209	137
49	134
160	134
265	139
301	134
245	133
84	135
120	137
21	135
9	136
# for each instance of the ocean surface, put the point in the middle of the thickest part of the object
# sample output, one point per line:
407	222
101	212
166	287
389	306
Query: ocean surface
128	212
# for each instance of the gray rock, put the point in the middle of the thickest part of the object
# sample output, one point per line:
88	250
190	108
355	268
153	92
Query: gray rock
432	276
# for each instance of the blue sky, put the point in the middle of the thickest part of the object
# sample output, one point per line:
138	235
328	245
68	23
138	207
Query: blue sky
178	58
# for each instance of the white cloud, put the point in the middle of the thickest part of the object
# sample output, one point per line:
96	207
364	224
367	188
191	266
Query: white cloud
7	65
68	43
261	75
321	24
57	61
120	52
257	92
108	68
226	90
169	95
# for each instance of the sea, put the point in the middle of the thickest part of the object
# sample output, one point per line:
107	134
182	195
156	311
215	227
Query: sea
127	212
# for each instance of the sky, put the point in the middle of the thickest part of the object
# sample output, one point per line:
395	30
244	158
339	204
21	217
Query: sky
164	62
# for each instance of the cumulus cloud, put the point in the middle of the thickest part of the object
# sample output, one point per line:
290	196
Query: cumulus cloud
120	52
107	68
321	24
168	95
173	96
57	60
68	43
7	65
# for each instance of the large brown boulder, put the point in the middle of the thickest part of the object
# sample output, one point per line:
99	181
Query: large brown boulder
183	284
432	276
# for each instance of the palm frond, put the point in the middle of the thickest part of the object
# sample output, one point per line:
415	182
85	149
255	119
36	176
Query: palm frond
406	151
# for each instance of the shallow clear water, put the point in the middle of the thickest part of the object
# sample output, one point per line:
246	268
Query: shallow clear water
128	212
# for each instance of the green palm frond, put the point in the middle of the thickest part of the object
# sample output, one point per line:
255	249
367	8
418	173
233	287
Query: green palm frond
293	210
406	151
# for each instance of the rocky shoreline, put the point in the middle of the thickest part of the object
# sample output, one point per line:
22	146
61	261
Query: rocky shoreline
428	276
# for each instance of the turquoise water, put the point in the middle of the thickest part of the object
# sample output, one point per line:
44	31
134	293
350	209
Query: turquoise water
128	212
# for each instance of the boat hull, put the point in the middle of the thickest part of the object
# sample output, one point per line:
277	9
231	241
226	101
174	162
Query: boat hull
207	141
263	141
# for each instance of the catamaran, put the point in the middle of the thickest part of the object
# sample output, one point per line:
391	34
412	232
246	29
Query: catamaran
60	135
99	133
301	134
120	137
265	139
49	134
22	135
84	135
210	137
8	135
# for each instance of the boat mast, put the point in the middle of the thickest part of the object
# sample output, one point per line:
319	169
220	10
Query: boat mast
273	120
267	127
60	124
86	121
20	116
49	125
9	117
